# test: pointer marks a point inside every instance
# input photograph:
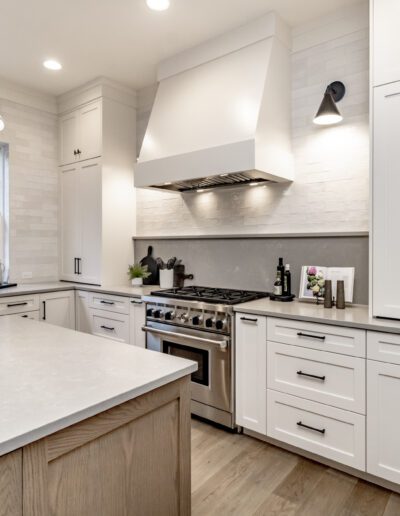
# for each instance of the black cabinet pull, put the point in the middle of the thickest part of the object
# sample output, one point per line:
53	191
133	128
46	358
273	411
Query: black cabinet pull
319	337
24	316
248	319
137	302
75	153
107	302
75	266
319	430
79	265
300	373
44	310
17	304
107	328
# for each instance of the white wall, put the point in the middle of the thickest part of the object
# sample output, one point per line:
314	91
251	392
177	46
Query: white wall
330	191
32	137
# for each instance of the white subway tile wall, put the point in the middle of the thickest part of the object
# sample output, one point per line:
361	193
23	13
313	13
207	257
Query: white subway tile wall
32	138
330	191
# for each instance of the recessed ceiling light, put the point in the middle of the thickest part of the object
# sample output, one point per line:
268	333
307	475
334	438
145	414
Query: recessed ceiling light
2	124
199	190
223	175
254	183
168	183
51	64
158	5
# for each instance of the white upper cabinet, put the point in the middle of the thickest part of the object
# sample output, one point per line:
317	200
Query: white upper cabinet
81	134
385	201
385	16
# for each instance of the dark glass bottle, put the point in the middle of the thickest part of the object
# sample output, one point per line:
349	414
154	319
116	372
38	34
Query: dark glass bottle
287	281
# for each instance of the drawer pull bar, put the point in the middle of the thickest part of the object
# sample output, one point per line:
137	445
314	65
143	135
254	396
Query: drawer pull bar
107	328
300	373
137	302
107	302
319	337
248	319
319	430
17	304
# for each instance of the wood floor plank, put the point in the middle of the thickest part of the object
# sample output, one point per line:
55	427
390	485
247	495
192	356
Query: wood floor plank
236	475
366	500
393	506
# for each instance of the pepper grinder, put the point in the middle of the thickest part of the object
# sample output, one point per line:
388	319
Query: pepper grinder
340	300
328	294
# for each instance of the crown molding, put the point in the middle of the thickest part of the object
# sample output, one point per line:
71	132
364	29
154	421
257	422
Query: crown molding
19	94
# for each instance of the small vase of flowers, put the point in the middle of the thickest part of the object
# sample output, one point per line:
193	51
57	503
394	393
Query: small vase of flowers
137	273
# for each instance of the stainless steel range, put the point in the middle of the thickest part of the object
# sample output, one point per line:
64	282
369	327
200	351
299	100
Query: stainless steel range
198	323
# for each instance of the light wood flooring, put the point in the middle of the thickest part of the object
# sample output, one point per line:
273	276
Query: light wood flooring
238	475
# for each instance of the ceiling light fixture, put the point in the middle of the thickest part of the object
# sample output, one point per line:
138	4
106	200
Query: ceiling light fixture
158	5
51	64
167	183
328	112
254	183
199	190
2	124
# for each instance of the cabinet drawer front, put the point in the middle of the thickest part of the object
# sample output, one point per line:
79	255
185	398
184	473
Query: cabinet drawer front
347	341
17	304
110	303
384	347
333	433
320	376
34	316
110	325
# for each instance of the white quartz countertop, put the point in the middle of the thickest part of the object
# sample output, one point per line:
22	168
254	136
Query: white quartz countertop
52	377
37	288
356	316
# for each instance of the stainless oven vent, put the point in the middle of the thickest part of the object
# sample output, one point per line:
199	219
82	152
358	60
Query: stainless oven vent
219	181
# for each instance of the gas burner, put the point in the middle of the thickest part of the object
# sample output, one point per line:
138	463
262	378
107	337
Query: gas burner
224	296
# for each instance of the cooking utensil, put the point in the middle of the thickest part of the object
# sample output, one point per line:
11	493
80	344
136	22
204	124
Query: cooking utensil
152	267
171	262
160	263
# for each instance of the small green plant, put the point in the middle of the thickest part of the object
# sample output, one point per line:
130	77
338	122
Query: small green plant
138	271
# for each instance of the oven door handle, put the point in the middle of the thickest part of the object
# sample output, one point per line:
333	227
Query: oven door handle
223	344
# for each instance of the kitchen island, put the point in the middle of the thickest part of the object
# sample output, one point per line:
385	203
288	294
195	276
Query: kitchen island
89	426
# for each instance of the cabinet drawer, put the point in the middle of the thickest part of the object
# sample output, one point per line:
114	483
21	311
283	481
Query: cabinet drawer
110	325
17	304
347	341
384	347
333	433
330	378
110	303
34	316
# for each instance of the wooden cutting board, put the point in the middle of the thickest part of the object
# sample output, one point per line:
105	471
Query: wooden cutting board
152	266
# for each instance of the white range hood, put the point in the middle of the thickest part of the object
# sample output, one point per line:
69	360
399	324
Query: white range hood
221	115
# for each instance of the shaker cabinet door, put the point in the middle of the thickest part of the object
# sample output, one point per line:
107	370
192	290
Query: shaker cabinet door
385	202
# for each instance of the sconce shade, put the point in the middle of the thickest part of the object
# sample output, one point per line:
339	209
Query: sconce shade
328	112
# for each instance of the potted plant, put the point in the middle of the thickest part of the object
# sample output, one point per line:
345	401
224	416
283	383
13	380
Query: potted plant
137	273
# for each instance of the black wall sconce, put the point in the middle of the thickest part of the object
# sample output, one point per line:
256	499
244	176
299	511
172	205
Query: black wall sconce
328	112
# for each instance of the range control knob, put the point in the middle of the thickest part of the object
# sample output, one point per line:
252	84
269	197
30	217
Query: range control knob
197	320
149	312
184	317
209	322
220	324
157	314
169	316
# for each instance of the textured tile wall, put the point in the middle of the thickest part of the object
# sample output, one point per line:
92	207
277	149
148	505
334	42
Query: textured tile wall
32	138
330	191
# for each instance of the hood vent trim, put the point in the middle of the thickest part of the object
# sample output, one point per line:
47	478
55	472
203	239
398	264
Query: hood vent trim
211	182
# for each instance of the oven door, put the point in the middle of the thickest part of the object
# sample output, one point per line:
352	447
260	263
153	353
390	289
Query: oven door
211	383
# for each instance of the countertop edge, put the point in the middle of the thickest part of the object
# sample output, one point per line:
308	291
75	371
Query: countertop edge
72	419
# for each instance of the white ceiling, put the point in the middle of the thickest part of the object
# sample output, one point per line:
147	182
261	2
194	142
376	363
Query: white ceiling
120	39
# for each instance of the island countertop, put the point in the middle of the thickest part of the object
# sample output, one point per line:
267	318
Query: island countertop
52	377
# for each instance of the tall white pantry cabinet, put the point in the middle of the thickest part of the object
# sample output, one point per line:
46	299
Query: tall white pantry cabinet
97	136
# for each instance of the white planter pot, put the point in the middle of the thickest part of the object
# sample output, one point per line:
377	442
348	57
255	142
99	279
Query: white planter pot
137	282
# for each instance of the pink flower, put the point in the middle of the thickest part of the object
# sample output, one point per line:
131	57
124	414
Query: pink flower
312	271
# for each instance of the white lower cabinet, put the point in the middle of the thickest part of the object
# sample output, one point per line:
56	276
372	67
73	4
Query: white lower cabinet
110	325
383	420
251	372
333	433
82	314
58	308
33	316
137	319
